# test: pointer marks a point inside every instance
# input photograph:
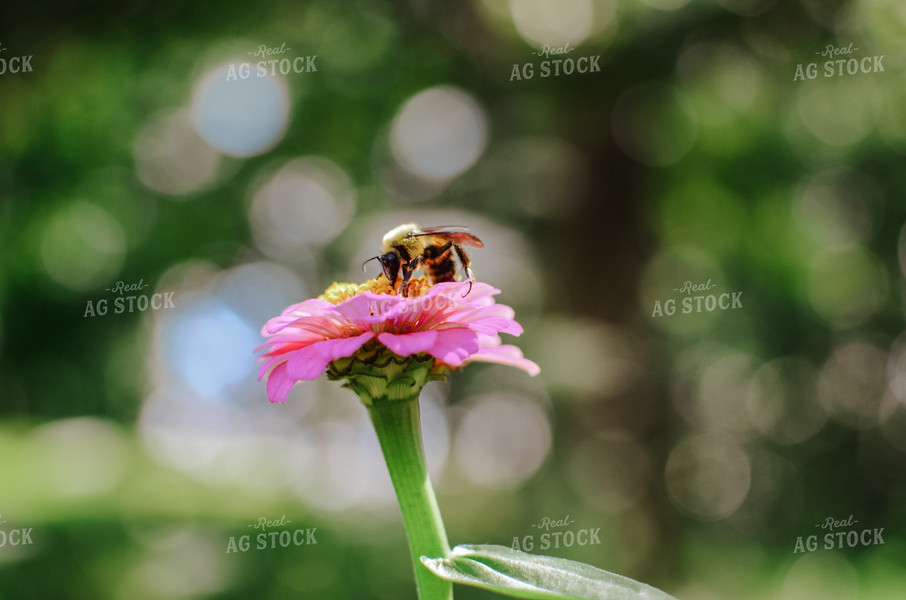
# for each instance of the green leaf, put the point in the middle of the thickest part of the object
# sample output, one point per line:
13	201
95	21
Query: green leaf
522	575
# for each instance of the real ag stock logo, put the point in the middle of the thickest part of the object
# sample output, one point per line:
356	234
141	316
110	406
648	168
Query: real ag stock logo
692	301
553	66
273	533
129	303
14	64
842	62
557	533
17	536
839	534
271	67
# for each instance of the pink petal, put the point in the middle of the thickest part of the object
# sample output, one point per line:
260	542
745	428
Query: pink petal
303	310
488	341
405	344
279	384
454	345
270	363
494	325
306	364
281	344
331	350
366	309
489	319
506	355
479	294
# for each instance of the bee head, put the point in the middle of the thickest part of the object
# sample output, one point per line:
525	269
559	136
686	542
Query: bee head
390	265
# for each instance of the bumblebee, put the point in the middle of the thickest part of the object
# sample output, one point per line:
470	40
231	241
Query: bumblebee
407	248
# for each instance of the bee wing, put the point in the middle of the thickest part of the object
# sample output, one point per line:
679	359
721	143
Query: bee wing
448	234
442	228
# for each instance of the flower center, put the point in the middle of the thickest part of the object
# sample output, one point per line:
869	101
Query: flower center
337	292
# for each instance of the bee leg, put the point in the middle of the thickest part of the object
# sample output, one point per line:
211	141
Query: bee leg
408	269
404	285
471	276
466	265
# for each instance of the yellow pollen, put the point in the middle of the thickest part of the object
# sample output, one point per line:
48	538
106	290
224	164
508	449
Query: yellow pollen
337	292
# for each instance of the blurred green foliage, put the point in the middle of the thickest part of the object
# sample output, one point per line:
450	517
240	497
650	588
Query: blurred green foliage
692	155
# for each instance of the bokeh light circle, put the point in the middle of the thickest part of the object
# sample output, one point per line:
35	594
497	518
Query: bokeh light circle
207	347
171	157
896	369
83	246
901	250
835	114
553	22
722	80
747	8
821	575
305	203
439	133
708	475
847	287
96	469
666	5
852	383
610	469
834	208
585	358
501	440
782	401
240	117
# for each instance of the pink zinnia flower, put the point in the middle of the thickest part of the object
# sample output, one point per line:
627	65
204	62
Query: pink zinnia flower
451	323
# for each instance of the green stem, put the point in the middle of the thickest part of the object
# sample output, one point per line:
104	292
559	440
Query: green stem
398	430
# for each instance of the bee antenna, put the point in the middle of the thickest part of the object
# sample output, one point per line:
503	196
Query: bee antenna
369	260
